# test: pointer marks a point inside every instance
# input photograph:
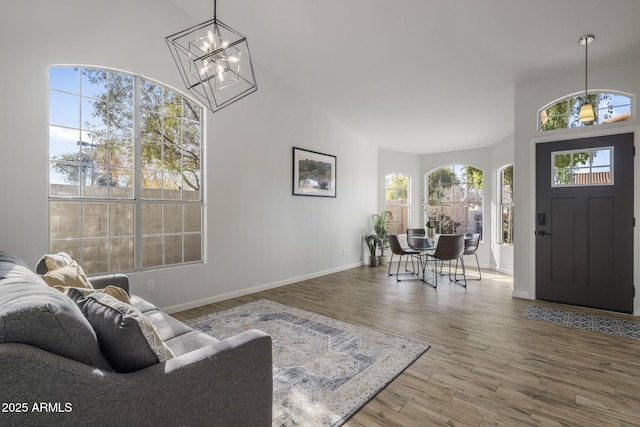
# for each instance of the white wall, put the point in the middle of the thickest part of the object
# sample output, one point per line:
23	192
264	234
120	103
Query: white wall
531	97
262	236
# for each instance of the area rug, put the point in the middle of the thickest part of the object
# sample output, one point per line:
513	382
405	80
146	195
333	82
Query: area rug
324	369
580	320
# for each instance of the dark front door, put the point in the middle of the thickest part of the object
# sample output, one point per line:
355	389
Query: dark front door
584	222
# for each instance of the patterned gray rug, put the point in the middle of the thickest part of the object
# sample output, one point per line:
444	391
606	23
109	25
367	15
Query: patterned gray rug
324	369
576	319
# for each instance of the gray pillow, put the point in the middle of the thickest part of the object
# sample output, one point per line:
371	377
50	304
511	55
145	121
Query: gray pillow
34	314
127	339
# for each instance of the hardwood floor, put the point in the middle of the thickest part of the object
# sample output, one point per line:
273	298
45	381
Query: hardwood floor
487	365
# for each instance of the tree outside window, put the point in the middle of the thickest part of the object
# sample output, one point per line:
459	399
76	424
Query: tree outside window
397	194
454	200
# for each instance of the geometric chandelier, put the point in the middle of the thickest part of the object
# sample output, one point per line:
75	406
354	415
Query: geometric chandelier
214	62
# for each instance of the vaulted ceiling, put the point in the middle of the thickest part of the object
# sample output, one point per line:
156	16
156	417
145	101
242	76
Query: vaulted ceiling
424	76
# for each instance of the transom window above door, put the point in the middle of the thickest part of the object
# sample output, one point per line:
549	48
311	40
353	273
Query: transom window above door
610	107
582	167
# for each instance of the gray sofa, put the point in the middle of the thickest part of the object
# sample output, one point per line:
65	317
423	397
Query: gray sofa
53	368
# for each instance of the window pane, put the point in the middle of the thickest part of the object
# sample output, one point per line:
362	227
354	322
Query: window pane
507	224
64	109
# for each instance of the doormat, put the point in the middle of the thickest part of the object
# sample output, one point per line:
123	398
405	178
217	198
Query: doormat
580	320
324	369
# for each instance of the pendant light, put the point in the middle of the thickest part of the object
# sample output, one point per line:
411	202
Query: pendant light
586	110
214	62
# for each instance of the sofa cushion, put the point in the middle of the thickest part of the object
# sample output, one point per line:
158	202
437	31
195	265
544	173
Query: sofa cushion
127	339
71	275
34	314
192	340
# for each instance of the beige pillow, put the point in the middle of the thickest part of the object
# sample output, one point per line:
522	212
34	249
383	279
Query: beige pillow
116	292
69	276
57	260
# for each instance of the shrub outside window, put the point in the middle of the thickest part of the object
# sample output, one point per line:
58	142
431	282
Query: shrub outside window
506	204
397	193
454	200
125	178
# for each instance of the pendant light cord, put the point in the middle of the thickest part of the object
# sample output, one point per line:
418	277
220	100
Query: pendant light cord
586	60
214	10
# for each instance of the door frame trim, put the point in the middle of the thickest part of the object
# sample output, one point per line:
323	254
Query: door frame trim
567	135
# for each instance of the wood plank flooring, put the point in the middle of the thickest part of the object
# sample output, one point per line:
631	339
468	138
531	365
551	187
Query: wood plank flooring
487	365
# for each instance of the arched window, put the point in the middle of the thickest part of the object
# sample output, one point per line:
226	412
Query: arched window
125	176
505	179
610	107
454	200
397	200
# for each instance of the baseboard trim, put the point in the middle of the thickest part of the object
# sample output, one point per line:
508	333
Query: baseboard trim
217	298
520	294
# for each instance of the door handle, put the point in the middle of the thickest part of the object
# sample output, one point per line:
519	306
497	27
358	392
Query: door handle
542	233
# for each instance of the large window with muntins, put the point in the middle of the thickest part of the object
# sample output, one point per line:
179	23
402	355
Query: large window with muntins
397	201
506	204
125	177
455	199
610	107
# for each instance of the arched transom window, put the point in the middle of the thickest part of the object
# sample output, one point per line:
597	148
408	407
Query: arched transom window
610	106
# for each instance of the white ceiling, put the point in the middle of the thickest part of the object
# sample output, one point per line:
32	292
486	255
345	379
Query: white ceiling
399	72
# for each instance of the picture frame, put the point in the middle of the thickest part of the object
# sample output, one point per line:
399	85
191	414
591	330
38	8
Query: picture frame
314	173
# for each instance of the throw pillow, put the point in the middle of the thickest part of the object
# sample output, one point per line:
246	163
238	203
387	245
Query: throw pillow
57	260
78	293
127	339
72	276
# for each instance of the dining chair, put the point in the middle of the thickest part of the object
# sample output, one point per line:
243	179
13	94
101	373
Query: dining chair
416	239
450	247
471	243
397	249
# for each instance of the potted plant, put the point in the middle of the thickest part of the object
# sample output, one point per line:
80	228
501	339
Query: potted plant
380	224
372	244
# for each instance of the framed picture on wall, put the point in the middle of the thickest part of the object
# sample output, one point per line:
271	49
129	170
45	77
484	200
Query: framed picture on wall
314	174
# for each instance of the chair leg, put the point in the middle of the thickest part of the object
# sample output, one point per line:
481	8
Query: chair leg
464	273
477	263
435	273
390	262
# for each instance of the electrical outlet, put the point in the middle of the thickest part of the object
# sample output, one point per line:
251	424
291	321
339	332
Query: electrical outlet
151	285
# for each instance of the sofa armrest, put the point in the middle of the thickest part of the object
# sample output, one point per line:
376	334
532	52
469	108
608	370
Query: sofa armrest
226	383
117	279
